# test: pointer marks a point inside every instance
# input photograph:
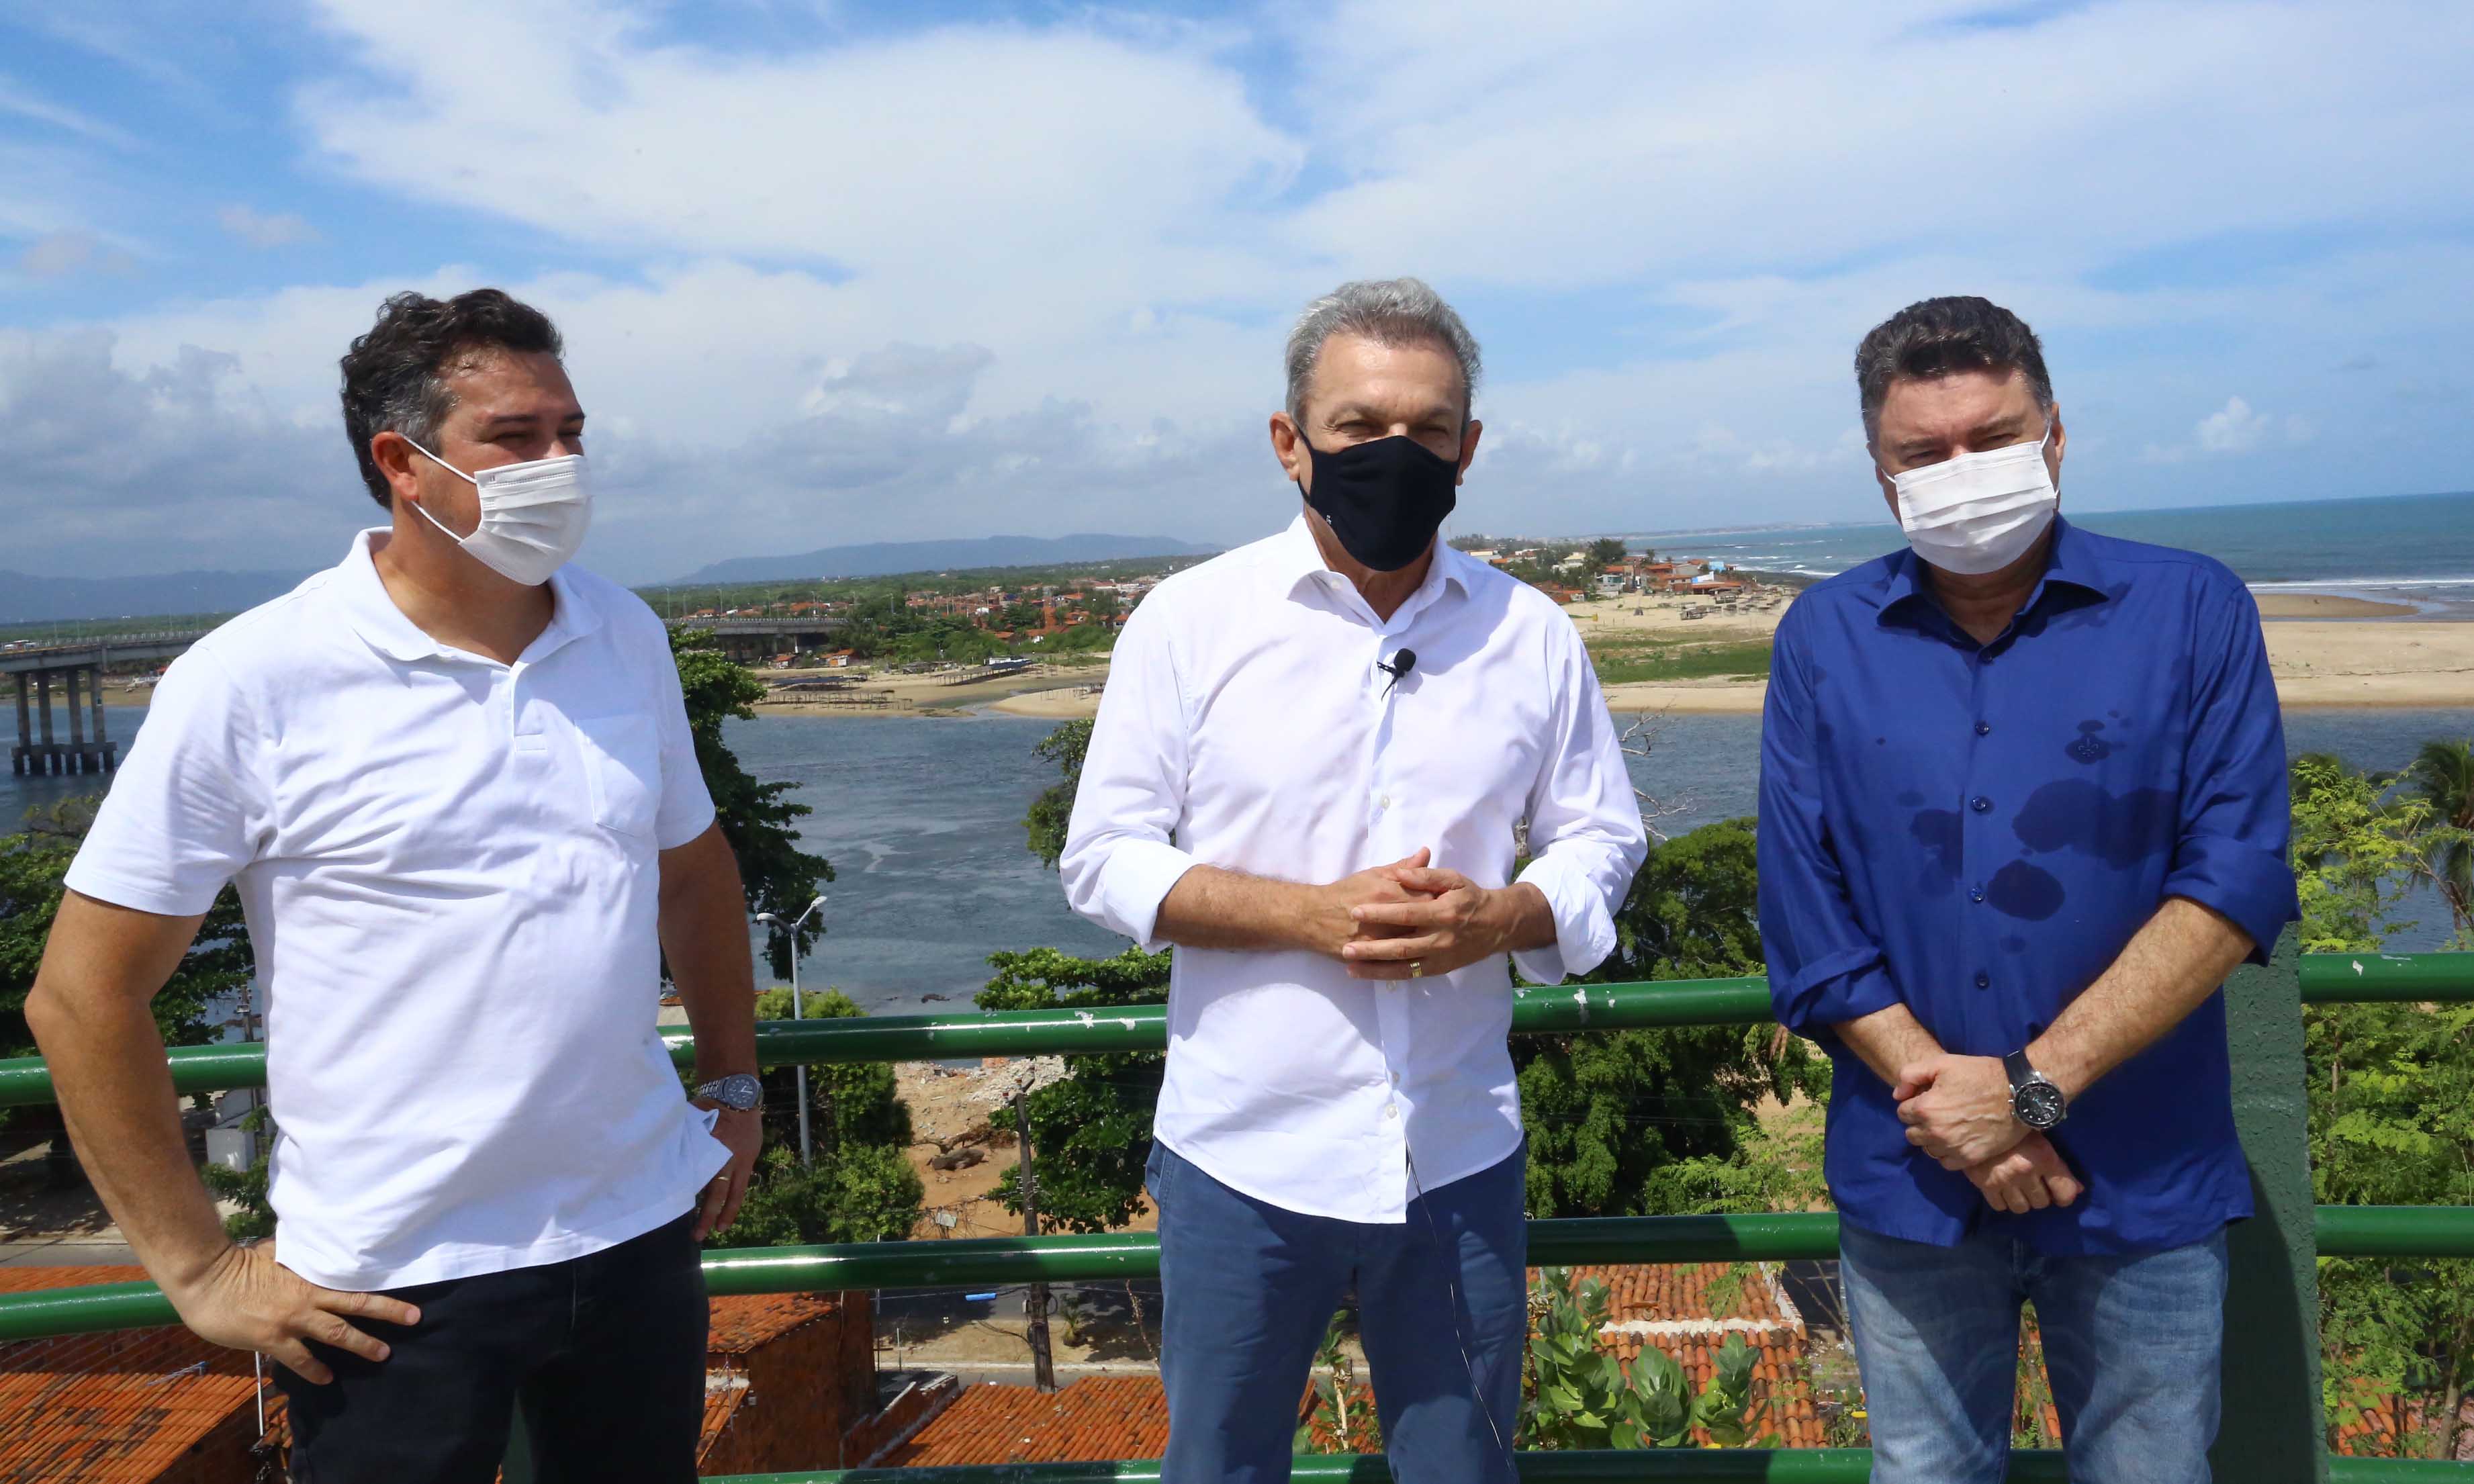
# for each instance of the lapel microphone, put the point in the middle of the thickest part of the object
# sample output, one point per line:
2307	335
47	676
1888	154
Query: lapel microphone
1403	661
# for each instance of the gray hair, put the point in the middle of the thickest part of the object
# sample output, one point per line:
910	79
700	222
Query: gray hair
1388	311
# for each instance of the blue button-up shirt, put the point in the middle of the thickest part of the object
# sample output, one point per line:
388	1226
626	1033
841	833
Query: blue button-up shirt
1976	831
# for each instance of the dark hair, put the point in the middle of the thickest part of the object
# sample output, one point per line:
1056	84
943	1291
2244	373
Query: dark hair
395	375
1935	337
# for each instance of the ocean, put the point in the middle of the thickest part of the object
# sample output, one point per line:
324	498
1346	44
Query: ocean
2417	549
922	820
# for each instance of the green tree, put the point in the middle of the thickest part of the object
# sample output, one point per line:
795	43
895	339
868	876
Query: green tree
1053	809
1604	552
759	822
862	1187
34	866
2392	1110
1663	1121
2441	778
1091	1132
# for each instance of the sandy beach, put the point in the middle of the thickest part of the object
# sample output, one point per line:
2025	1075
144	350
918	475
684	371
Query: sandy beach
2325	650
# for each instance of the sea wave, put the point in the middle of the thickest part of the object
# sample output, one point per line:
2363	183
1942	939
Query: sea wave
2312	585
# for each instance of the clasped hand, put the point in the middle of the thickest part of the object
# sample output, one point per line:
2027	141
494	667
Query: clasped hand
1408	920
1957	1109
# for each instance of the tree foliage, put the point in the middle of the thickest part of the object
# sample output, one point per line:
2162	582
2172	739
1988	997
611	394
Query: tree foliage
1663	1121
1577	1395
759	822
2441	779
33	865
2392	1105
862	1187
1053	809
1091	1132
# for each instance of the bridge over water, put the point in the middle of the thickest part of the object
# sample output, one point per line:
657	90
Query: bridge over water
77	666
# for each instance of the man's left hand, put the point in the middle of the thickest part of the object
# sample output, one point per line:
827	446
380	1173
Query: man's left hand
745	1134
1957	1108
1458	923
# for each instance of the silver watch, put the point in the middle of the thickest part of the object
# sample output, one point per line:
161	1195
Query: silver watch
740	1092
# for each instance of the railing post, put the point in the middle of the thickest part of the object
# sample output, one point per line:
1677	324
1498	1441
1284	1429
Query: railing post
2272	1428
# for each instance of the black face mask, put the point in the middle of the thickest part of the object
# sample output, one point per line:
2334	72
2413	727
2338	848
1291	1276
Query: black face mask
1385	499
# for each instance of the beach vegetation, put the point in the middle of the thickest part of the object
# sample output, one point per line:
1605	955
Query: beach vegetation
1629	660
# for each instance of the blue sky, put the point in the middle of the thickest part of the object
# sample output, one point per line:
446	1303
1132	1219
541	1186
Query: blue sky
835	273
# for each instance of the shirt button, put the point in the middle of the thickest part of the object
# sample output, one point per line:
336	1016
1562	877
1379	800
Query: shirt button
1979	803
1984	728
1983	981
1977	895
1385	802
1390	1110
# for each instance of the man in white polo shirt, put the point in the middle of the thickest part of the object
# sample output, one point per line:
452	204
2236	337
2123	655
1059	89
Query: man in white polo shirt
453	783
1310	775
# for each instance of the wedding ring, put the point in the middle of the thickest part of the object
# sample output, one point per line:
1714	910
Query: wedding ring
1417	969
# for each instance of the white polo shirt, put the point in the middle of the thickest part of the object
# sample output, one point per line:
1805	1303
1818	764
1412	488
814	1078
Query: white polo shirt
449	868
1247	726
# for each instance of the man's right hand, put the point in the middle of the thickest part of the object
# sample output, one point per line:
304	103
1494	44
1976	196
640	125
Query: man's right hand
242	1299
1331	925
2028	1177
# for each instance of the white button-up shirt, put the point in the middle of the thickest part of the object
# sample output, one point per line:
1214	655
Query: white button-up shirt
450	871
1247	726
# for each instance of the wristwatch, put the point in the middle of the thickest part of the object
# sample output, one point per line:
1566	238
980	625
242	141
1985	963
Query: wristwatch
2034	1098
738	1091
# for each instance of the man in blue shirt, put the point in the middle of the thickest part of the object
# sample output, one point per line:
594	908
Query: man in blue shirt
2022	809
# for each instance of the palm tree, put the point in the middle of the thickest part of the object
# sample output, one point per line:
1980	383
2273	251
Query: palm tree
2442	775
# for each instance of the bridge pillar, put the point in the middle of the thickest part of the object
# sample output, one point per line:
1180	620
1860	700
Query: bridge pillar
21	757
106	754
76	759
43	699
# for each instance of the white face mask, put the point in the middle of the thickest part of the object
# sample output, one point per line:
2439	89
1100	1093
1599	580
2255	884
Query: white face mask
533	514
1979	512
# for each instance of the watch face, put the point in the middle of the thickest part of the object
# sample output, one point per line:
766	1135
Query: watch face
739	1090
2039	1105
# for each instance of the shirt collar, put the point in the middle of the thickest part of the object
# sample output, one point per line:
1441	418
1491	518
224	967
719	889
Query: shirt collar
1294	558
373	616
2071	562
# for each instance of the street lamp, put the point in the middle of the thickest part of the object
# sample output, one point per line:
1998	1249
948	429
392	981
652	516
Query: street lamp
807	1151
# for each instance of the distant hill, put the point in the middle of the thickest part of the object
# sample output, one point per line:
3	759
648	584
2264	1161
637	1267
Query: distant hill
25	598
885	558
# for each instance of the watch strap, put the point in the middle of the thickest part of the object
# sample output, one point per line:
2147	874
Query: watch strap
2015	1063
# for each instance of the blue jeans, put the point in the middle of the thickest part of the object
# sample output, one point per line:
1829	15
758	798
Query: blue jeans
1249	1290
2132	1346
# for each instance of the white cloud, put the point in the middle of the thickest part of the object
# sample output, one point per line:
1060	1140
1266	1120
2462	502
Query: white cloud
264	229
2232	429
1033	276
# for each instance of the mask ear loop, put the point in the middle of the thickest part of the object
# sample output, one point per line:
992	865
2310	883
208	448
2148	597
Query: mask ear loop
424	511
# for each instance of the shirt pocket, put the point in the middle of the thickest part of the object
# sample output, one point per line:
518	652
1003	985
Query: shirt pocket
622	771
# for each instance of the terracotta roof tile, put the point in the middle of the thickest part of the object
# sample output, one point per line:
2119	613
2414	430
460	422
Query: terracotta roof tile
742	1321
1092	1419
124	1405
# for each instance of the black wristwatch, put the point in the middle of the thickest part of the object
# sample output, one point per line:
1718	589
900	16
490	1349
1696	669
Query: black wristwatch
738	1091
2035	1099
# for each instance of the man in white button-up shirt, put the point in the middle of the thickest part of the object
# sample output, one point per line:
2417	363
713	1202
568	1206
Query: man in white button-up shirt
452	781
1309	774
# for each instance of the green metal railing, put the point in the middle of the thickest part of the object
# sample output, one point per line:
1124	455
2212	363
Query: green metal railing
2262	1328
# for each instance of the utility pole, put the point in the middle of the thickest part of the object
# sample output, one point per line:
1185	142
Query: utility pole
1043	1371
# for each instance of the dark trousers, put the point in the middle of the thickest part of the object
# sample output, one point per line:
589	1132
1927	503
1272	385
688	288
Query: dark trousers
1248	1289
605	1354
